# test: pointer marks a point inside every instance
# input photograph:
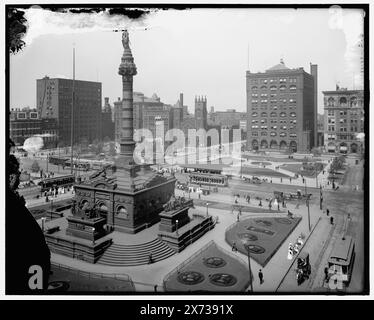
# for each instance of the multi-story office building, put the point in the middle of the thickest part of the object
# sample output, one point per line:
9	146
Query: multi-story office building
227	119
26	123
344	119
54	97
282	108
320	130
107	124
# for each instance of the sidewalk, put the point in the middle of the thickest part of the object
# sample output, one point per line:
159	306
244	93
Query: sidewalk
30	203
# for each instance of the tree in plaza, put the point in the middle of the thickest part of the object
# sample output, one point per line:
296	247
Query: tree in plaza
35	166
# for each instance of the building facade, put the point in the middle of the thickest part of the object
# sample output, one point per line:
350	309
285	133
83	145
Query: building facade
26	123
344	120
107	125
227	119
54	97
201	115
282	109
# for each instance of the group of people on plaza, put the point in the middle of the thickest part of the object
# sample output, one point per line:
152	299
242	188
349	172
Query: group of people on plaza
55	191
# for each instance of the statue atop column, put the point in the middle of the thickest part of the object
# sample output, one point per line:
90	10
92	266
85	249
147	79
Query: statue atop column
125	39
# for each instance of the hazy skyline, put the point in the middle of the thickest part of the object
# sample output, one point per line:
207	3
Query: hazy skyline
197	52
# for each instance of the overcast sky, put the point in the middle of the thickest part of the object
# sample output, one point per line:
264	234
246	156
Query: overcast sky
197	52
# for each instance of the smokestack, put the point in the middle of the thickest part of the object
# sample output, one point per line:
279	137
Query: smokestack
181	100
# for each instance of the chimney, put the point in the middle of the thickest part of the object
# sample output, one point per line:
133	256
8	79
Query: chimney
181	100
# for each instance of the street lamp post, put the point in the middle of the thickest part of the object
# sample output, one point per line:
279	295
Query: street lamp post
307	204
249	267
93	235
51	208
176	230
207	205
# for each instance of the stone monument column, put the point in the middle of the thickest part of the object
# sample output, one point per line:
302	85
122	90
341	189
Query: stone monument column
127	70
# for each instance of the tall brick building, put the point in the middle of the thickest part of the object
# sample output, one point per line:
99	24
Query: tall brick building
344	119
54	101
282	108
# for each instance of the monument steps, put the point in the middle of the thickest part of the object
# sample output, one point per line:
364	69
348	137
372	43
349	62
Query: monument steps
134	255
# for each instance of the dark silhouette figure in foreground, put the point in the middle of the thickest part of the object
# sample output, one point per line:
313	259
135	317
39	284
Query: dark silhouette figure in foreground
27	256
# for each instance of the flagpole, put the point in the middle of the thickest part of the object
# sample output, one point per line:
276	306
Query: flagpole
72	115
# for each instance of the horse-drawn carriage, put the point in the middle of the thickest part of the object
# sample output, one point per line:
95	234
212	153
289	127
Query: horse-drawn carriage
303	269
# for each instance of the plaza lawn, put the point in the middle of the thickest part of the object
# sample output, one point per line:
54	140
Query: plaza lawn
212	269
263	236
79	282
262	172
297	168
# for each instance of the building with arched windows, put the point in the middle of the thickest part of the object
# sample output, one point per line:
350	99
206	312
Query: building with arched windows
344	120
282	109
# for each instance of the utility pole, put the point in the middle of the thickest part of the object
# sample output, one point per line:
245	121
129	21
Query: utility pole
72	115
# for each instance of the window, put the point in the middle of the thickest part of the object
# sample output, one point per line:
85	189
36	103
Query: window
254	134
283	127
282	80
254	114
274	127
331	128
273	88
282	134
264	114
265	81
292	100
331	120
330	102
254	95
273	114
282	88
293	80
254	101
273	134
293	135
273	121
282	114
343	101
293	87
330	112
254	88
343	113
273	101
264	133
272	95
293	114
264	94
254	127
264	88
264	120
254	121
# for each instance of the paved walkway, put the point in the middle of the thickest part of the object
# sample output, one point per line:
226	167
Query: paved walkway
146	276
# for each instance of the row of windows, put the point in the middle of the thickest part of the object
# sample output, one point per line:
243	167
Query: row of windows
274	100
274	88
274	114
274	121
273	80
273	134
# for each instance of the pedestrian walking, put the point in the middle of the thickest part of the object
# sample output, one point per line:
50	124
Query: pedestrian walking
260	204
261	276
327	212
290	180
331	220
278	207
281	180
249	198
326	274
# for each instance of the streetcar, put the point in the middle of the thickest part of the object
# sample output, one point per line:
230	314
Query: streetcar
61	181
340	263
